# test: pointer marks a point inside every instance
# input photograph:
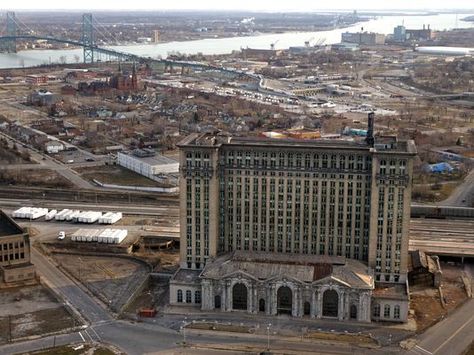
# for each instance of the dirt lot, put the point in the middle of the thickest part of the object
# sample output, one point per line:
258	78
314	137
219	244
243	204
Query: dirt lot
112	279
30	311
69	350
427	304
115	175
33	177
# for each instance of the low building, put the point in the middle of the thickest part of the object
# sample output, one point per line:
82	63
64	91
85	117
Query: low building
424	34
53	147
36	79
400	34
366	38
424	269
145	162
15	262
42	98
258	282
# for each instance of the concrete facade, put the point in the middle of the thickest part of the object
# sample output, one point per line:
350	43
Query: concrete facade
307	197
15	262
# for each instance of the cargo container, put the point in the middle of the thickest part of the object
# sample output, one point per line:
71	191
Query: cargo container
51	214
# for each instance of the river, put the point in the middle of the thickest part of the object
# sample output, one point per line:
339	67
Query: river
383	24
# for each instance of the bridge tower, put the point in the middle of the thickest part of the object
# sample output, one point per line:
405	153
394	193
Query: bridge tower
88	38
9	45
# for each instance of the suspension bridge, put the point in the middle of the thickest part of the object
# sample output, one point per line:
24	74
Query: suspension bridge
15	30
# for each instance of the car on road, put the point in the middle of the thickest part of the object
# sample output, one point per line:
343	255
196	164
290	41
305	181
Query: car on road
70	161
61	235
90	159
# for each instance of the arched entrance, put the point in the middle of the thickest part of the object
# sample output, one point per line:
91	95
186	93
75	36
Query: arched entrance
261	305
217	302
239	297
330	303
307	308
353	311
284	300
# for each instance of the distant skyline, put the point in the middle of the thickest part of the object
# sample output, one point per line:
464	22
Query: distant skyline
249	5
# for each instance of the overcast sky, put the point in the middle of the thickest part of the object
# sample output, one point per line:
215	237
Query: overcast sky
253	5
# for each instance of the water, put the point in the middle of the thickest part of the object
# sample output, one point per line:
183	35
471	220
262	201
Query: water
383	24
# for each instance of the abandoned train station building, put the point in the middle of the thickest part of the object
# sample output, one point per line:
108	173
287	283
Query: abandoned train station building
309	228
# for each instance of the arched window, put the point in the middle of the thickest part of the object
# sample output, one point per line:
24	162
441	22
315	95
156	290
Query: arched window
386	311
376	310
396	312
189	296
179	296
197	297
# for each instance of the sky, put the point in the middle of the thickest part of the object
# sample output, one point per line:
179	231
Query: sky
251	5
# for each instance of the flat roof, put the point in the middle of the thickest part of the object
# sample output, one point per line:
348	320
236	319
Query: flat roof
208	140
154	160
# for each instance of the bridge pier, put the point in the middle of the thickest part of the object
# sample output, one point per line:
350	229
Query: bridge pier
8	45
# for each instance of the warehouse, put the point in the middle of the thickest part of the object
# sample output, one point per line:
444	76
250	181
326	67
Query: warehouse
148	164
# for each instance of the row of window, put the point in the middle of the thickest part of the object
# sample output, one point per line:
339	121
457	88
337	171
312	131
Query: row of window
11	257
189	297
15	245
387	311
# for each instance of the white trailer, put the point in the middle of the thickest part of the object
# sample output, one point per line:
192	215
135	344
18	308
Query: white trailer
51	214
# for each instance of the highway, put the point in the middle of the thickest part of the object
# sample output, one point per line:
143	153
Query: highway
463	195
451	336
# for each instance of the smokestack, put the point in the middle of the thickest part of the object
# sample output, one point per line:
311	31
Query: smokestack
423	26
370	129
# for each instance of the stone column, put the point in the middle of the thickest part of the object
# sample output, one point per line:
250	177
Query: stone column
313	304
228	290
340	310
268	300
319	309
250	298
274	303
205	299
347	307
294	304
255	299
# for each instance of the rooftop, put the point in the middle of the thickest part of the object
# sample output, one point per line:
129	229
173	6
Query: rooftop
303	268
382	143
8	227
391	291
154	160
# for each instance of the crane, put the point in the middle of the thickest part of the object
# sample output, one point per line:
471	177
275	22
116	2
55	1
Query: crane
272	45
320	42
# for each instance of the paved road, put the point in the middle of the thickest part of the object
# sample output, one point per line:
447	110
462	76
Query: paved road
463	195
452	336
49	163
143	338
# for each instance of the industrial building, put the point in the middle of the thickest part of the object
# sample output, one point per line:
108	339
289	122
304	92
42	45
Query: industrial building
366	38
149	164
248	206
15	263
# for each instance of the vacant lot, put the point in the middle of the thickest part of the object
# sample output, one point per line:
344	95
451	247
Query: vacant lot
112	279
33	177
114	174
30	311
427	304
